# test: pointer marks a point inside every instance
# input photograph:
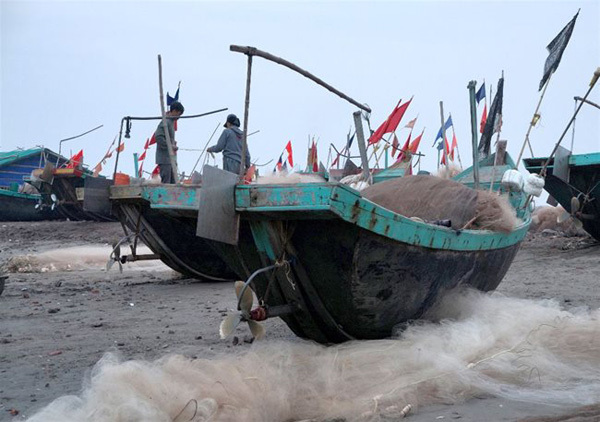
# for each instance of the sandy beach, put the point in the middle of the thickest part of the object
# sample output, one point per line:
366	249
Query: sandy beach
61	312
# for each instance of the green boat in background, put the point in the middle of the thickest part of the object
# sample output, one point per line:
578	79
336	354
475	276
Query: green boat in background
574	182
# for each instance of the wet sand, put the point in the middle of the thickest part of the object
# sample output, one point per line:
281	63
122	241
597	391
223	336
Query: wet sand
59	316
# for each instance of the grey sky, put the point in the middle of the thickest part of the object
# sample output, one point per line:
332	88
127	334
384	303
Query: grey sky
70	66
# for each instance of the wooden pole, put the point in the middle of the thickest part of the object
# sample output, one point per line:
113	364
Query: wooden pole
253	51
444	134
474	139
360	138
246	112
533	122
164	122
592	83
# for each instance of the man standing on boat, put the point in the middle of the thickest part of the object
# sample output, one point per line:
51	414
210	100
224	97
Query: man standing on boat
162	151
231	143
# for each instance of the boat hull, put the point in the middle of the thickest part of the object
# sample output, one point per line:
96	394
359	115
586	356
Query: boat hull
583	178
21	207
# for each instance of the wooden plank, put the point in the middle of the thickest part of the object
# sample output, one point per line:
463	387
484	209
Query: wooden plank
217	219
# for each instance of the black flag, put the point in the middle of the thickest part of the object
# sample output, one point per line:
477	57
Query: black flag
555	50
493	123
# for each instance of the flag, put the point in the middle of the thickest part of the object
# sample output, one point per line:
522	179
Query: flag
279	163
483	119
97	169
284	166
315	160
480	93
349	141
493	122
152	141
140	171
171	100
156	171
403	152
391	123
76	160
414	145
121	147
411	124
454	145
143	156
290	158
395	145
447	126
555	50
443	161
147	144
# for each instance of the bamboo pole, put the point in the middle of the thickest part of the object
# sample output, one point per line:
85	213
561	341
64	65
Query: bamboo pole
246	113
253	51
164	122
533	122
592	84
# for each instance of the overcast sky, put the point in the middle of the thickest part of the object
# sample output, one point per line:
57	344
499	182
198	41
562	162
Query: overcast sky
70	66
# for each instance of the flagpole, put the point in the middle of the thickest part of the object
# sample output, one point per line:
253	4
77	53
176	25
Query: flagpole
444	134
164	122
533	122
592	84
474	142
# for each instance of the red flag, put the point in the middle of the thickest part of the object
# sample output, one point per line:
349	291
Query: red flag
391	122
279	162
443	161
76	160
314	159
288	148
121	147
97	169
395	145
414	145
483	119
147	144
402	155
175	125
140	172
454	145
156	171
143	156
152	141
336	160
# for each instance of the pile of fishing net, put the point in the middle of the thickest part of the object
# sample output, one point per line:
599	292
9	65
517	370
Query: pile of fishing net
432	198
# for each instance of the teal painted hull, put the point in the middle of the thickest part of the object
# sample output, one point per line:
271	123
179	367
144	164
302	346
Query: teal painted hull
583	181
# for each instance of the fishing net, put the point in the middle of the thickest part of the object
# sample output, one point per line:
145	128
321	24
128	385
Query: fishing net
432	198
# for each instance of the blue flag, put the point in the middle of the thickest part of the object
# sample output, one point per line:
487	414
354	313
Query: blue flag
440	145
171	100
349	141
446	126
480	93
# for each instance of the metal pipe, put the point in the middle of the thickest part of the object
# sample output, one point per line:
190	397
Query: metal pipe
73	137
360	138
254	274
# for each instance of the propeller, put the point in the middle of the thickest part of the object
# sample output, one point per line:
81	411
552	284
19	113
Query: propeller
575	206
231	321
115	256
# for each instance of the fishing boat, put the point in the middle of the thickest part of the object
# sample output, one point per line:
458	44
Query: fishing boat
574	182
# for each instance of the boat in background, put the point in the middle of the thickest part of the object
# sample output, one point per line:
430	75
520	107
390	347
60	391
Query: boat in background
574	182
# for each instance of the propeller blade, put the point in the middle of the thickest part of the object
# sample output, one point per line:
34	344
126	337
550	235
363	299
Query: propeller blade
246	303
109	264
257	330
228	325
574	205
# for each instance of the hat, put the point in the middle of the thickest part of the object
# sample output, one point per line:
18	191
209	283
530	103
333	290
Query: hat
232	118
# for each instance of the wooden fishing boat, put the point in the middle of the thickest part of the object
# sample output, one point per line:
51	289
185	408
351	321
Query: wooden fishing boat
17	206
574	182
164	218
345	268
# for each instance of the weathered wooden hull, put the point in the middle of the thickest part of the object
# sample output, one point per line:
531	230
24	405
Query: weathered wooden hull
352	283
583	178
70	206
164	217
21	207
350	269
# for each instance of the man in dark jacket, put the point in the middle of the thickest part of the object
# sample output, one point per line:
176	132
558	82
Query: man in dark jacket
162	151
231	144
